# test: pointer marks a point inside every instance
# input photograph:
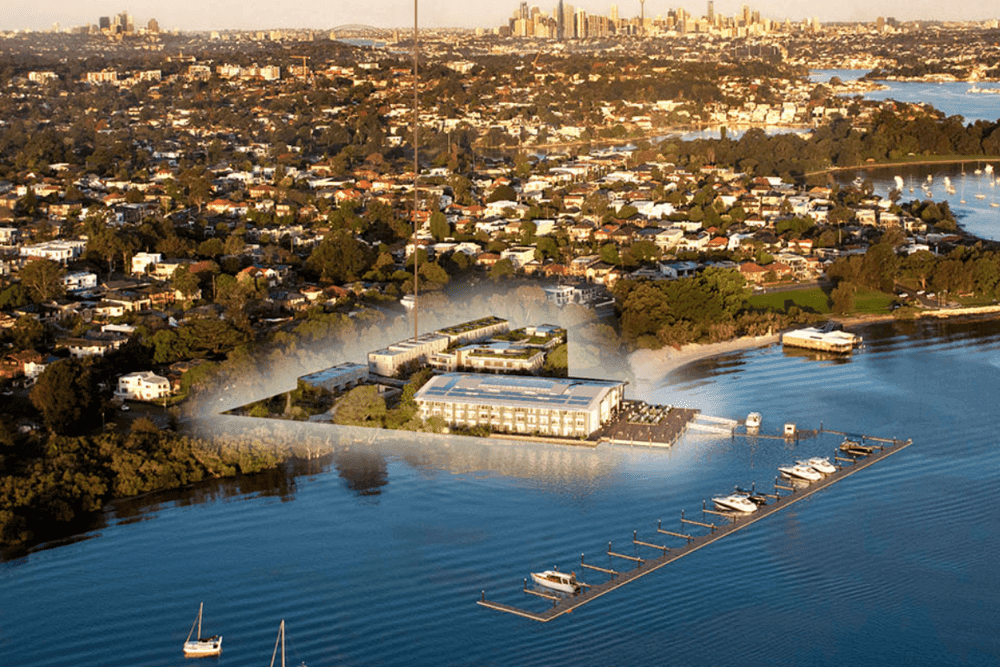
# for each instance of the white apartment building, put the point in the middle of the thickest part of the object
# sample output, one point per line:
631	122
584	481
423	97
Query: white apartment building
563	407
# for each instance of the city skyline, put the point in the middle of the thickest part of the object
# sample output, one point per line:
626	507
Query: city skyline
230	15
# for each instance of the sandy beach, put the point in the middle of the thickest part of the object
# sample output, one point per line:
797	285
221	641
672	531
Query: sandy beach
650	366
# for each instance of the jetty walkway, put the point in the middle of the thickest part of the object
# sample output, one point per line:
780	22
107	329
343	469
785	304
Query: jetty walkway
730	523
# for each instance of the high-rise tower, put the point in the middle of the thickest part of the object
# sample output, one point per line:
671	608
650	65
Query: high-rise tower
561	23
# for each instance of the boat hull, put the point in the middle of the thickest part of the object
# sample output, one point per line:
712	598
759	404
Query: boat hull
562	587
740	504
203	648
799	472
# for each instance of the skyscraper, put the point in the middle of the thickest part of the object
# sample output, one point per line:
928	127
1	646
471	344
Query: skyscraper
711	12
561	23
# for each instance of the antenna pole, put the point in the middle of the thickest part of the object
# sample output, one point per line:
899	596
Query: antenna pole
416	170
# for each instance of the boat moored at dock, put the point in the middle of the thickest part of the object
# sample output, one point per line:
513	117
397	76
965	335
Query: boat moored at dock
736	503
557	581
820	464
855	448
805	473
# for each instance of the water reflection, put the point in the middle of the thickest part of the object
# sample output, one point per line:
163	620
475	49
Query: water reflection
365	472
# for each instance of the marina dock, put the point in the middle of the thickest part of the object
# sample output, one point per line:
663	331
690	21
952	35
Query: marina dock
717	529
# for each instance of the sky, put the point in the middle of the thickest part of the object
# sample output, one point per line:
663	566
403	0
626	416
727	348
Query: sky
326	14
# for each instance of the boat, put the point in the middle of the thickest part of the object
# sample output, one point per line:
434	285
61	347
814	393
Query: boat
801	472
556	580
201	647
736	503
820	464
855	448
753	421
281	640
754	497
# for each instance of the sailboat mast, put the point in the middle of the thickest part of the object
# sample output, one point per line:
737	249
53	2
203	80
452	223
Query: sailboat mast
200	608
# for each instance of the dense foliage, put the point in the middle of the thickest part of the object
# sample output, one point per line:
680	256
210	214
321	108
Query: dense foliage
47	483
841	143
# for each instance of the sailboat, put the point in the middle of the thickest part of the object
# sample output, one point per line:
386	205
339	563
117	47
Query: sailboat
280	640
200	648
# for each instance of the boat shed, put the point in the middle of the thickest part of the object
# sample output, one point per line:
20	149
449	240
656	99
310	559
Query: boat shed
827	341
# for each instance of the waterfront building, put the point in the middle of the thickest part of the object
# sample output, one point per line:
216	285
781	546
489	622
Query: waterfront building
388	361
337	378
563	407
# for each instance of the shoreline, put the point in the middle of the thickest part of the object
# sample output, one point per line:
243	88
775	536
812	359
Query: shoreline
650	367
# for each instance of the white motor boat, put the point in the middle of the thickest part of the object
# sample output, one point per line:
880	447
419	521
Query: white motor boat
556	580
801	472
201	647
736	503
819	464
753	421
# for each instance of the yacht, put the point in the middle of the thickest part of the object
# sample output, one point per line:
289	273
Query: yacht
736	503
201	647
819	464
556	580
801	472
753	421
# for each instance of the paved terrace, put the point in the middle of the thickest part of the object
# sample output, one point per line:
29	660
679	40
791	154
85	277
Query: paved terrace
641	423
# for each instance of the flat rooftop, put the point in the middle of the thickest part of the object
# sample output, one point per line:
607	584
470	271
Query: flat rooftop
517	391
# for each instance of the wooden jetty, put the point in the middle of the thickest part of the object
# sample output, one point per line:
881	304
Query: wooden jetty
564	605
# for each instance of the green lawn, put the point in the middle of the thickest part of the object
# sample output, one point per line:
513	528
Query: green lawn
815	300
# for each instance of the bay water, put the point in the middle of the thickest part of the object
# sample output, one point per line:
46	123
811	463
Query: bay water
377	554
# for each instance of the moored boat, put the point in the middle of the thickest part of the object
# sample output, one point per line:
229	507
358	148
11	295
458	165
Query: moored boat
556	580
802	472
736	503
753	421
855	448
819	464
201	647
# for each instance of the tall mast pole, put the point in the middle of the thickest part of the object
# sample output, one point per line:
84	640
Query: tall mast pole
416	171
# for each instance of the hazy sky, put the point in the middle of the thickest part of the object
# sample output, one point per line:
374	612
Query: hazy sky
243	14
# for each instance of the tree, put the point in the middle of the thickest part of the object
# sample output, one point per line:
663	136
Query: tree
66	394
609	254
28	332
362	406
502	193
184	281
842	298
440	229
339	258
43	278
502	269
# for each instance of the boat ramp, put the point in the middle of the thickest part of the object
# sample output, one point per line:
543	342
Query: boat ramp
696	533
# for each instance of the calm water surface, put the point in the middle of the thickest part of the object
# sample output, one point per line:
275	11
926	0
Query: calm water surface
951	97
377	556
